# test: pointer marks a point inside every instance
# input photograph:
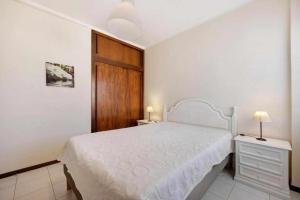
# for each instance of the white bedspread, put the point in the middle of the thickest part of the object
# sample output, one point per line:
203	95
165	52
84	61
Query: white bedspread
162	161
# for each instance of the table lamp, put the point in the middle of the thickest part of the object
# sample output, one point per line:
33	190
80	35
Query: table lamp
262	117
149	110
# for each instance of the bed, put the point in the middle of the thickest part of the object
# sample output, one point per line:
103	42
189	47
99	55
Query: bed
175	159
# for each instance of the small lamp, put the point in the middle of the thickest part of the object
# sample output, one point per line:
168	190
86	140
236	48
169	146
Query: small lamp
261	116
149	110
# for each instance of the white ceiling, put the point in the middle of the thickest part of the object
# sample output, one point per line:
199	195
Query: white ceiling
161	19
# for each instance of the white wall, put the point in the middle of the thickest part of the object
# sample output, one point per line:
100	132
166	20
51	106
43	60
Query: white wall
36	120
295	69
241	58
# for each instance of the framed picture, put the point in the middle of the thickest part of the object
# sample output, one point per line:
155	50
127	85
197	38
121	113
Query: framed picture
59	75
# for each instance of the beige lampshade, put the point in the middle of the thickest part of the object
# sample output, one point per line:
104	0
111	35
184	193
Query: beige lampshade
124	21
149	109
262	116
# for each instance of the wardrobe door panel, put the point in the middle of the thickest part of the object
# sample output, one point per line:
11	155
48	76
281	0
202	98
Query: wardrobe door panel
111	97
134	96
132	56
109	49
120	97
105	107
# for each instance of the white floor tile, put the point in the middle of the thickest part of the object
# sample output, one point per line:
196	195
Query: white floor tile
274	198
69	196
7	193
240	193
227	173
56	173
41	194
8	182
33	175
221	187
60	189
295	195
24	188
226	178
252	190
211	196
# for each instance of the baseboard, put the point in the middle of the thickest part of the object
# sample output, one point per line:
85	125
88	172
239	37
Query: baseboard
295	189
28	169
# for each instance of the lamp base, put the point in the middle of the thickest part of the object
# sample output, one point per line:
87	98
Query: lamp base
261	139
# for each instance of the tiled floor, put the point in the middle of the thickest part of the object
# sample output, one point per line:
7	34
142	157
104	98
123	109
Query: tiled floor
49	183
225	188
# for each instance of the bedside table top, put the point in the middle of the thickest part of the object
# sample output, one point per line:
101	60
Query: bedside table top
146	121
281	144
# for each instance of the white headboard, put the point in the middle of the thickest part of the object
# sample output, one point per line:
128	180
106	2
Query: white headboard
199	112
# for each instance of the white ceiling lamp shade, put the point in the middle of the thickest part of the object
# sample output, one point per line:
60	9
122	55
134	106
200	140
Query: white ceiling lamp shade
124	21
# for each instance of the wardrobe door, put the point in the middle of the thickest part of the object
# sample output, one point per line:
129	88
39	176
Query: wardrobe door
111	97
135	93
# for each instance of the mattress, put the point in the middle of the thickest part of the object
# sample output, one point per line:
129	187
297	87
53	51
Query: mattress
152	162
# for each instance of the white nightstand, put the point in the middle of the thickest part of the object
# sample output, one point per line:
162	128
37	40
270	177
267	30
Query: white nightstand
145	121
263	164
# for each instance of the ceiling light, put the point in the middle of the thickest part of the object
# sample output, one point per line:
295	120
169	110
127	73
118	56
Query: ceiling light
124	21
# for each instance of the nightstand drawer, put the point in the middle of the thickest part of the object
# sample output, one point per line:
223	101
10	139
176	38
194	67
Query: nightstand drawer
267	166
262	152
269	179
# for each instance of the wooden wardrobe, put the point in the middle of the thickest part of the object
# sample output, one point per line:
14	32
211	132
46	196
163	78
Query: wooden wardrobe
117	83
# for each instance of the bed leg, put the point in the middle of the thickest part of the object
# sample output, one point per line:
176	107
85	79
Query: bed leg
68	186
